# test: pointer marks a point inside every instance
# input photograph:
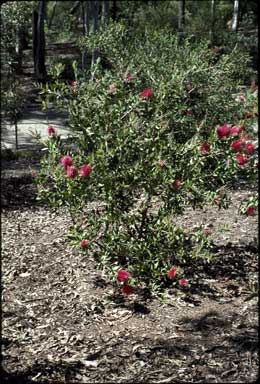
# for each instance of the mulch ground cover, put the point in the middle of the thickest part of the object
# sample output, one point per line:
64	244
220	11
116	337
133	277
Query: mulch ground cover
63	321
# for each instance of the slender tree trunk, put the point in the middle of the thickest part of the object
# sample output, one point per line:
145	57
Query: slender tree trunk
19	49
95	28
16	132
234	27
105	11
213	21
114	10
181	18
52	15
86	8
39	42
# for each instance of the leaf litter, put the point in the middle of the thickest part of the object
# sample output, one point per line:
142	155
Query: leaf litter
59	324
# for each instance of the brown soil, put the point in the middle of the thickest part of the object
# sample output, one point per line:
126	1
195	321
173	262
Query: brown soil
64	321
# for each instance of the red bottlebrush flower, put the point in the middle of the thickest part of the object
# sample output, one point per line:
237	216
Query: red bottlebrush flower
183	282
223	131
71	172
162	163
207	231
251	211
244	137
51	130
73	85
129	77
249	148
241	158
177	183
85	170
248	115
172	273
242	98
146	93
84	243
123	275
34	173
205	147
112	88
127	290
189	112
66	161
237	145
236	130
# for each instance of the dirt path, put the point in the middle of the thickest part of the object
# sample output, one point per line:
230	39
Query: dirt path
34	119
64	321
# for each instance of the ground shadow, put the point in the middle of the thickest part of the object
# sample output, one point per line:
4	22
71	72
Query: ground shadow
45	370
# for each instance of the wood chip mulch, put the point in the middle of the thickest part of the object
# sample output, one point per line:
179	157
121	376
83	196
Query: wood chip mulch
63	321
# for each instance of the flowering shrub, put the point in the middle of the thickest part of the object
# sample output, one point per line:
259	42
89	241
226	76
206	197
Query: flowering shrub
149	158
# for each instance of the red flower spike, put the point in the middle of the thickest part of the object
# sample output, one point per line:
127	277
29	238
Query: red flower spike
237	145
112	88
236	130
205	148
248	115
183	282
177	184
249	148
172	273
245	136
127	290
123	275
129	77
162	163
241	158
207	231
84	243
66	161
85	170
51	130
146	93
223	131
251	211
71	172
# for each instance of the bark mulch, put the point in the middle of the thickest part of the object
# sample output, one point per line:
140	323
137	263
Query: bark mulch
63	321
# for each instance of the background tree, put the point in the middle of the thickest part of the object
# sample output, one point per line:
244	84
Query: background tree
105	11
213	20
95	27
181	19
86	9
39	41
234	27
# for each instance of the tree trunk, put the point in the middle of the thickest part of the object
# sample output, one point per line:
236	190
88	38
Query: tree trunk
105	11
213	21
181	18
16	132
95	5
39	42
19	50
75	7
114	10
86	8
52	15
234	27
